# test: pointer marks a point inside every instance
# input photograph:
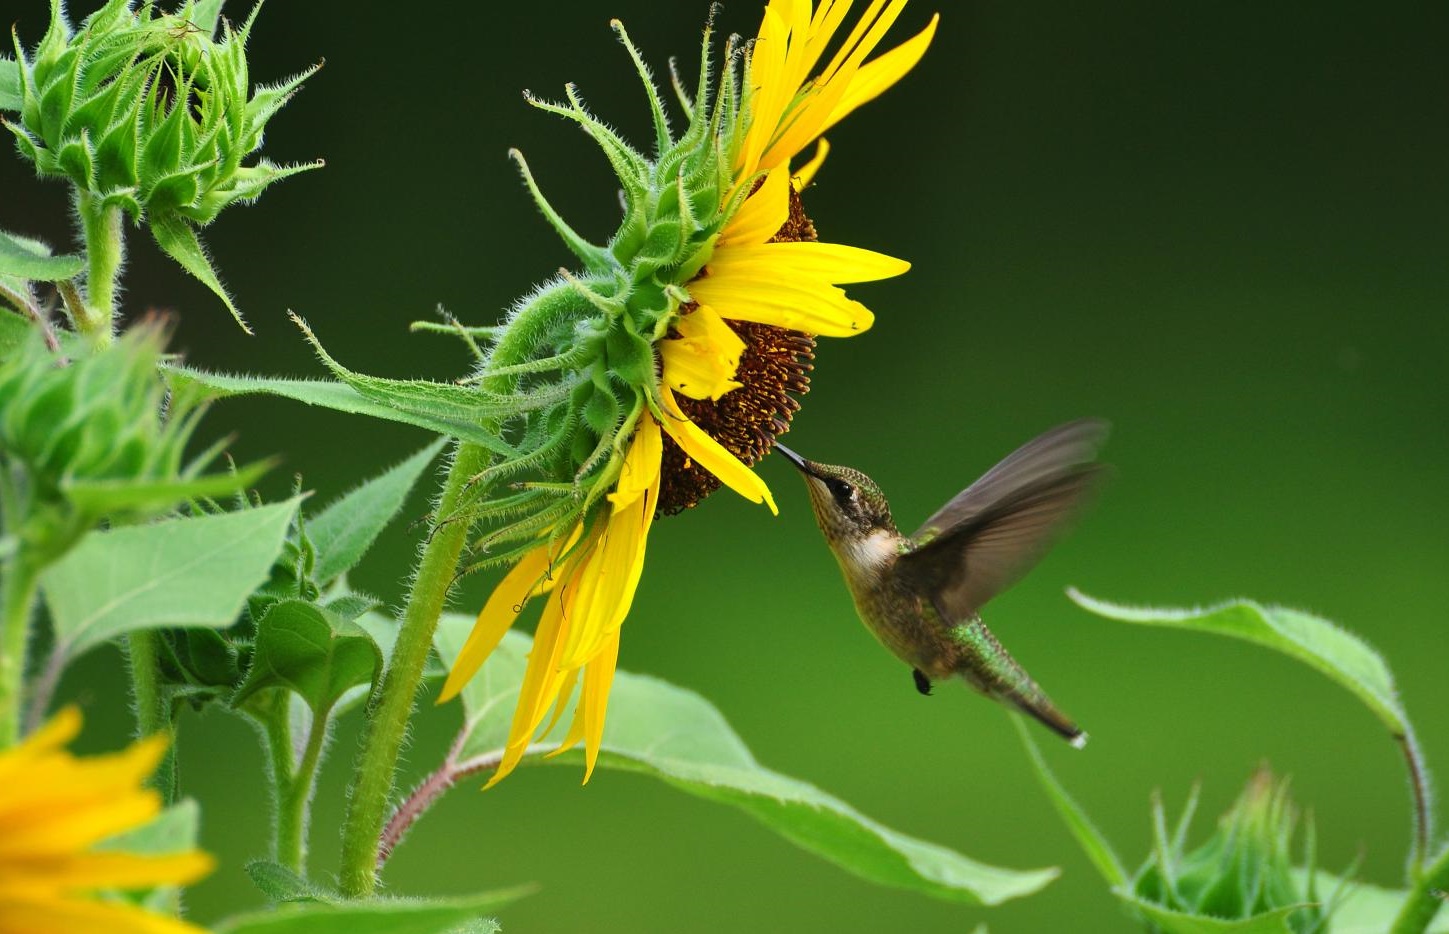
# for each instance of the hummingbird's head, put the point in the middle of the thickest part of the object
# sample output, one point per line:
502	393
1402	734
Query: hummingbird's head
848	504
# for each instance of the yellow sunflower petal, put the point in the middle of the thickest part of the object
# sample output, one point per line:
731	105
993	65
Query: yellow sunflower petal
641	464
806	174
876	77
828	262
57	915
534	694
711	455
615	568
763	213
105	870
598	680
702	361
769	297
518	586
565	694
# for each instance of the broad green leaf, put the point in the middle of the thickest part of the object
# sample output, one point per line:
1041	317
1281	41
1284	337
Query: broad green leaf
173	831
204	15
677	736
10	97
1088	837
344	531
1335	652
1175	922
339	397
1368	909
178	240
194	571
391	916
23	258
311	652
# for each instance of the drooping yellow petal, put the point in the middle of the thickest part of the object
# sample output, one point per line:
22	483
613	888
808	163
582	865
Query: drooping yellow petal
827	262
614	569
565	694
712	455
701	363
807	172
598	680
522	583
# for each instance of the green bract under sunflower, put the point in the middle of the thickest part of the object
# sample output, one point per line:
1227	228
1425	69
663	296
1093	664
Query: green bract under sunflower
149	115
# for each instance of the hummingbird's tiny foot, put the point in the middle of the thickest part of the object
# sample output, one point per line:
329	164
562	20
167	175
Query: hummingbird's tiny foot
1079	741
923	684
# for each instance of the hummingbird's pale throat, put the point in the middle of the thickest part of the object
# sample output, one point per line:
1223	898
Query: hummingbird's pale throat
920	596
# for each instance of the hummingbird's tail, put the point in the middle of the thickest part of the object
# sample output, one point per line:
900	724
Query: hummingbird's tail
989	668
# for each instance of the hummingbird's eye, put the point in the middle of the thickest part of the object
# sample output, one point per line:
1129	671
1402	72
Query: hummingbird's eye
842	491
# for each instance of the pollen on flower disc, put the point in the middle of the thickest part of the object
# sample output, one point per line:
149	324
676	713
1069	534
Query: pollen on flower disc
774	368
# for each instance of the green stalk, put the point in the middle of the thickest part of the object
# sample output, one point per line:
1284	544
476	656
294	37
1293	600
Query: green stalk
153	709
1425	899
19	588
105	252
296	801
392	706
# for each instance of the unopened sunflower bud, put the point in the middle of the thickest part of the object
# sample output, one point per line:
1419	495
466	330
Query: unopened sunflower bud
151	114
1245	868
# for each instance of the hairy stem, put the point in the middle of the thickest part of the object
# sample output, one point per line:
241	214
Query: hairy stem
1418	787
153	708
295	800
105	253
42	689
19	588
392	705
1425	899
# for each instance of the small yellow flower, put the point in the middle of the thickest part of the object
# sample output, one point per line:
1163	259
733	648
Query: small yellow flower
736	349
55	809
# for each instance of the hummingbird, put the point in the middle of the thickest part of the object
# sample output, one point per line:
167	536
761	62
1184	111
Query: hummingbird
921	596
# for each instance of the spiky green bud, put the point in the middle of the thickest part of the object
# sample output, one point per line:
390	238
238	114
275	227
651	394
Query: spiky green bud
97	437
151	113
1244	870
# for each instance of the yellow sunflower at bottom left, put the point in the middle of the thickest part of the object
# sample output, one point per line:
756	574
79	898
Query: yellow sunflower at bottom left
54	810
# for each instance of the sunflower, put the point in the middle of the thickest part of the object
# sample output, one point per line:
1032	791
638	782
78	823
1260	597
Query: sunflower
54	811
747	295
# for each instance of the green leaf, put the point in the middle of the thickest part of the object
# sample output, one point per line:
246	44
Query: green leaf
178	240
344	531
337	396
173	831
24	258
1339	654
677	736
1088	837
1367	909
280	884
1176	922
311	652
194	571
391	916
204	15
108	497
10	96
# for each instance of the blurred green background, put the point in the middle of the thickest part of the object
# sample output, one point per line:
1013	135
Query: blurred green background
1221	226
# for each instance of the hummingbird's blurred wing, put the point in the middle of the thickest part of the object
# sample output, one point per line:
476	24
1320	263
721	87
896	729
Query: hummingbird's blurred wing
995	530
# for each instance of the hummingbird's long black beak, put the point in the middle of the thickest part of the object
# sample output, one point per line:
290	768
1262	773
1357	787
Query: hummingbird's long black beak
801	464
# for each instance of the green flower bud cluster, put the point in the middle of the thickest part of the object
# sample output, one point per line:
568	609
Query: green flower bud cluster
1244	870
96	438
148	113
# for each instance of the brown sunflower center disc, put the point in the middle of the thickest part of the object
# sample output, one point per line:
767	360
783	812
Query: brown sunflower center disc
774	368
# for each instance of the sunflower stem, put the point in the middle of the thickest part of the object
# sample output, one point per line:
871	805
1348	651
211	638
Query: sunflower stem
295	800
1426	897
105	254
19	590
392	705
153	707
